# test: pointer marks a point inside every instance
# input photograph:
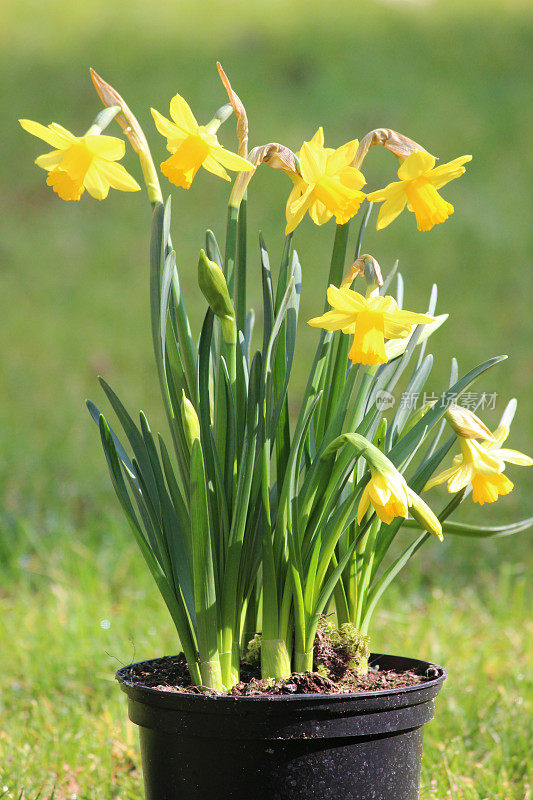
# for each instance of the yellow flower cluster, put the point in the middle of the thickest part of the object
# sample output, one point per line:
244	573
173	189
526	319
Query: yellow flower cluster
326	181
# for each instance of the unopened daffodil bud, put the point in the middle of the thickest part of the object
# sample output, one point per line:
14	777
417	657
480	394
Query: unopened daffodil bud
215	290
465	423
189	420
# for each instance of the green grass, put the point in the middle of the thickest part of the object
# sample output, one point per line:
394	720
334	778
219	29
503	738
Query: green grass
73	283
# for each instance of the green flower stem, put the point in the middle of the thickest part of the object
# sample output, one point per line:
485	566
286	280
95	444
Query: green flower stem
231	246
282	434
339	594
241	264
336	272
364	557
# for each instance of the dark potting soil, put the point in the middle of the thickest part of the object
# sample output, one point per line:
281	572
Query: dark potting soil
170	674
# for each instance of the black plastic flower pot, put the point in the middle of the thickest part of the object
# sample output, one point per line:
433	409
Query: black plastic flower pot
364	746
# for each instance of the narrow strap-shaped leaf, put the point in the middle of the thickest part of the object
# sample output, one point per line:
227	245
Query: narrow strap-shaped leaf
362	229
432	305
230	463
478	531
214	476
399	290
284	367
179	548
413	389
390	277
134	437
407	443
386	579
95	413
205	598
173	602
268	297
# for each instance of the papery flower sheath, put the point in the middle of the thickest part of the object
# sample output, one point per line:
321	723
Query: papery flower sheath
370	319
193	146
81	162
327	186
417	188
482	464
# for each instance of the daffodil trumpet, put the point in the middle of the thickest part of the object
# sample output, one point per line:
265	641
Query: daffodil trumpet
260	513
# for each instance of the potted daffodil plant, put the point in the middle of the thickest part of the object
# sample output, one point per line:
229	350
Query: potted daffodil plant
271	528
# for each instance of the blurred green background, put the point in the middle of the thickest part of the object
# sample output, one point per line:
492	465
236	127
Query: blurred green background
451	75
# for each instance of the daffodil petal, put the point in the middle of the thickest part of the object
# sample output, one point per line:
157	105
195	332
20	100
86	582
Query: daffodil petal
342	157
463	476
334	321
346	300
108	147
167	128
415	165
514	457
312	163
384	304
52	137
398	324
212	165
95	183
295	217
390	209
443	476
500	436
231	160
304	200
363	504
352	178
445	173
117	176
182	115
318	138
49	161
319	213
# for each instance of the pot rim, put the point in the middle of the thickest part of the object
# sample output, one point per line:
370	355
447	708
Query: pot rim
318	697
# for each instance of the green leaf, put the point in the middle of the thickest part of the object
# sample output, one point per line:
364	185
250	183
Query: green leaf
205	598
478	531
408	443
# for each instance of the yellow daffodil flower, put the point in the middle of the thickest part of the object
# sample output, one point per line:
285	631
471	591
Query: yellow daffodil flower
328	186
417	188
370	320
482	465
193	146
81	162
390	496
